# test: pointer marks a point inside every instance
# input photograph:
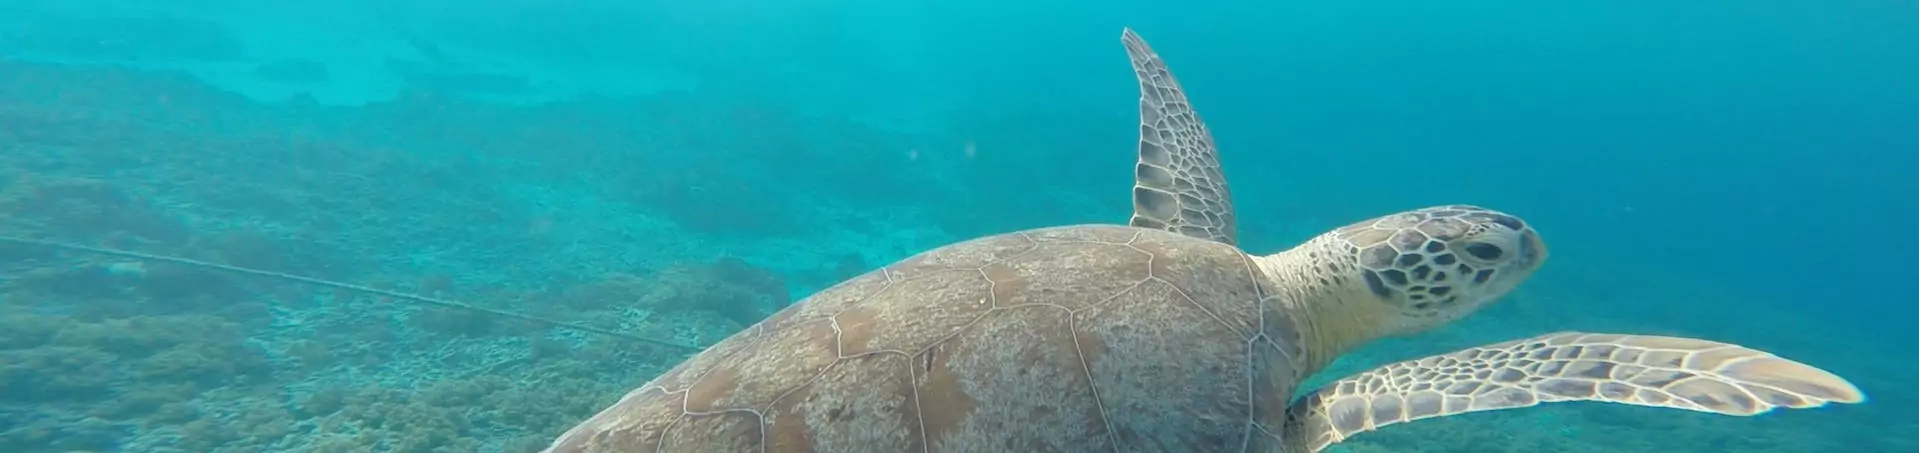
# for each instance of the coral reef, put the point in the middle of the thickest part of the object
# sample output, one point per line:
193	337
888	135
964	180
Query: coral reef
106	353
85	207
116	375
728	287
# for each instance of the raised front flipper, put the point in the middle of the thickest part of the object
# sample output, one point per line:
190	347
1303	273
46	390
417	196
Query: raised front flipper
1177	185
1679	373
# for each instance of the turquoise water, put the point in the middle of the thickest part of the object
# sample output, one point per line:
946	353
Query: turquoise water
1739	171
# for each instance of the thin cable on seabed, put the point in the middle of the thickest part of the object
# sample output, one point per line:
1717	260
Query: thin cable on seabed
346	286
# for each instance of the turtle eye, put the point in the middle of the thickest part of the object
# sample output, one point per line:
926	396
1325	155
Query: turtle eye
1485	251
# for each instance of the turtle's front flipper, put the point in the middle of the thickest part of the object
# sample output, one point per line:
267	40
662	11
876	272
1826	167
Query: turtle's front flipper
1679	373
1177	185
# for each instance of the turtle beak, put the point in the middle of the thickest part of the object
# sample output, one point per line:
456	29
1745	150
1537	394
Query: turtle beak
1532	249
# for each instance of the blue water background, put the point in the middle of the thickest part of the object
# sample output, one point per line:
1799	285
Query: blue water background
1741	171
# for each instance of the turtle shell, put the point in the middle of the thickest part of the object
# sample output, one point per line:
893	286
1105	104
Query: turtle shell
1088	338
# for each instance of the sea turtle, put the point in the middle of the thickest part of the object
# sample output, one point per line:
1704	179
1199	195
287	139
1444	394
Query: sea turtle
1163	336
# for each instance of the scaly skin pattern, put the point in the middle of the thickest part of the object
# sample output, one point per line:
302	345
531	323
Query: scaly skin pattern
1402	273
1177	183
1641	370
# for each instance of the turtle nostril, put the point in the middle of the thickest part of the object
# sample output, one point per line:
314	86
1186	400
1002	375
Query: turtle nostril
1532	248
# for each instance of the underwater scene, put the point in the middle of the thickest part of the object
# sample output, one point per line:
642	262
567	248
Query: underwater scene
519	226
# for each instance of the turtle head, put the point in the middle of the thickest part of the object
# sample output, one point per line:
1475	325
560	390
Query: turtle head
1424	268
1400	274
